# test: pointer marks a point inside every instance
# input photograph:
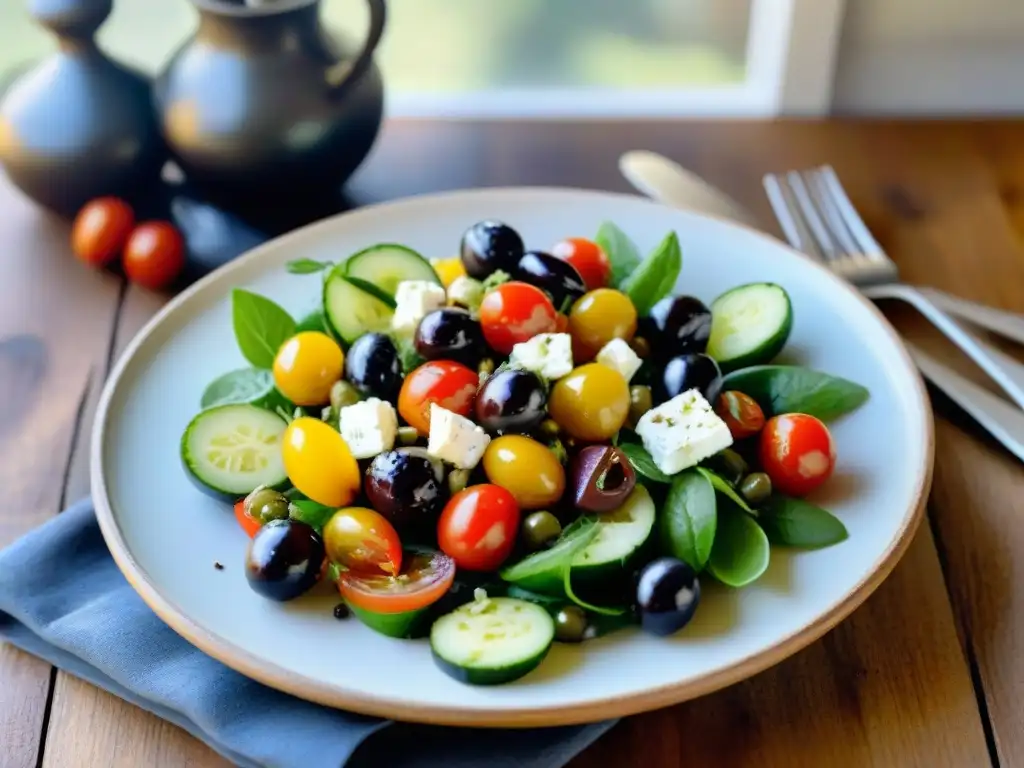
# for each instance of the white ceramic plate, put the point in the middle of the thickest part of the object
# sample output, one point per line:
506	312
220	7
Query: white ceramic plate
166	536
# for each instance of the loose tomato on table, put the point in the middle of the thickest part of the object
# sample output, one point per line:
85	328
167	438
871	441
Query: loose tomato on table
307	367
319	463
797	452
741	414
589	259
451	385
424	579
478	527
101	229
154	254
598	317
362	540
515	312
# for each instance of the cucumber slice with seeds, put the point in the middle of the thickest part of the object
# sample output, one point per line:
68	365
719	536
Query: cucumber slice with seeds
352	311
386	265
750	325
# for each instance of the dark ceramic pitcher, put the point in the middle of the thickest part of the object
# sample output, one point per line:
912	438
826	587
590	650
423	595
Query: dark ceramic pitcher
262	102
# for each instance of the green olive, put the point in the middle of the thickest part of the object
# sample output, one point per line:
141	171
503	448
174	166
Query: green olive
342	394
266	504
458	479
756	487
570	624
549	428
640	402
540	529
408	435
733	465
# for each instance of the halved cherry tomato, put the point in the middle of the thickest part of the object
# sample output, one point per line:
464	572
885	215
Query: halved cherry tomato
319	463
797	452
741	414
249	523
363	540
154	254
515	312
589	259
101	229
451	385
307	366
424	580
478	527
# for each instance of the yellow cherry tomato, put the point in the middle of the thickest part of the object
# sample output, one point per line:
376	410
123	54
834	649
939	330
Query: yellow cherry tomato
591	403
448	270
528	470
598	317
319	463
307	366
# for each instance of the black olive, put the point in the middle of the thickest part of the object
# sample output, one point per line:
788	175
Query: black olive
488	246
407	487
451	334
690	371
559	279
373	367
284	559
677	324
667	594
511	401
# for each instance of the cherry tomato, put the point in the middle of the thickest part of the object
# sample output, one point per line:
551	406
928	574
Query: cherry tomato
319	463
598	317
363	540
528	470
562	323
589	259
451	385
154	254
515	312
478	527
591	403
424	580
249	523
101	229
307	366
741	413
797	452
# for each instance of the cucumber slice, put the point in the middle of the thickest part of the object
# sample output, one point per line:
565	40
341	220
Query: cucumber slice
621	534
350	310
230	450
406	625
386	265
543	571
750	325
492	641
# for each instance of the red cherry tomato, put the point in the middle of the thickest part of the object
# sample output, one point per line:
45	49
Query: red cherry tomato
478	527
249	523
797	452
450	385
101	229
589	259
425	578
741	413
515	312
154	254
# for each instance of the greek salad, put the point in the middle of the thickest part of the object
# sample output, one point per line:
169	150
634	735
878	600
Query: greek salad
511	448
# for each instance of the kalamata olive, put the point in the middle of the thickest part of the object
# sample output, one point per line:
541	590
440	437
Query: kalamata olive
373	367
667	594
640	402
557	278
266	504
690	371
407	486
343	394
450	334
601	478
540	529
284	559
570	624
488	246
511	401
678	324
756	487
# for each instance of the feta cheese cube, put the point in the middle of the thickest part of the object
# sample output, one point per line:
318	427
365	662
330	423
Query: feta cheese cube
549	355
619	356
455	439
466	292
683	432
369	427
413	300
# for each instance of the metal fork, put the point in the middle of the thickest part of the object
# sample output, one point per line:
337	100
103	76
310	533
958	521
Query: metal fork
817	218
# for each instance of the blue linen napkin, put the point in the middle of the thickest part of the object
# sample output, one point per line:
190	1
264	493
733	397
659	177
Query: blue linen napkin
63	599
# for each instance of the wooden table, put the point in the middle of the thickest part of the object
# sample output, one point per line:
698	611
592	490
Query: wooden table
929	672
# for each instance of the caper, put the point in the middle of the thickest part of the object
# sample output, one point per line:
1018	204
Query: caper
733	465
266	504
549	428
640	402
342	394
570	624
558	449
640	346
458	479
540	529
408	435
756	487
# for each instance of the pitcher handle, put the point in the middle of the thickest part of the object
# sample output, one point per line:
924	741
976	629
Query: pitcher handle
341	75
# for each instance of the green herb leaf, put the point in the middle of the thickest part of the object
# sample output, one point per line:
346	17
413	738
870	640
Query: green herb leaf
311	513
314	321
794	389
542	571
726	488
797	523
495	279
407	354
598	609
622	252
333	572
656	275
643	464
307	266
741	551
261	327
688	519
245	385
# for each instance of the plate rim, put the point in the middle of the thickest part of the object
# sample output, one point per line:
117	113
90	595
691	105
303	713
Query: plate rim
604	708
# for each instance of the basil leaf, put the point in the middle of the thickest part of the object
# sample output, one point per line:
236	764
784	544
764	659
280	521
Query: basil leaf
741	551
598	609
643	464
245	385
261	327
655	277
726	488
543	571
314	321
307	266
794	389
622	252
310	512
798	523
688	519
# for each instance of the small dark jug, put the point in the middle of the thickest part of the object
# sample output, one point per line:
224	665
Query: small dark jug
261	100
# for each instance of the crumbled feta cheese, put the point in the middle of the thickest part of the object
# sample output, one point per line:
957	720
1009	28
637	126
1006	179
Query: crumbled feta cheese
466	292
549	355
368	427
683	432
455	439
618	355
413	300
